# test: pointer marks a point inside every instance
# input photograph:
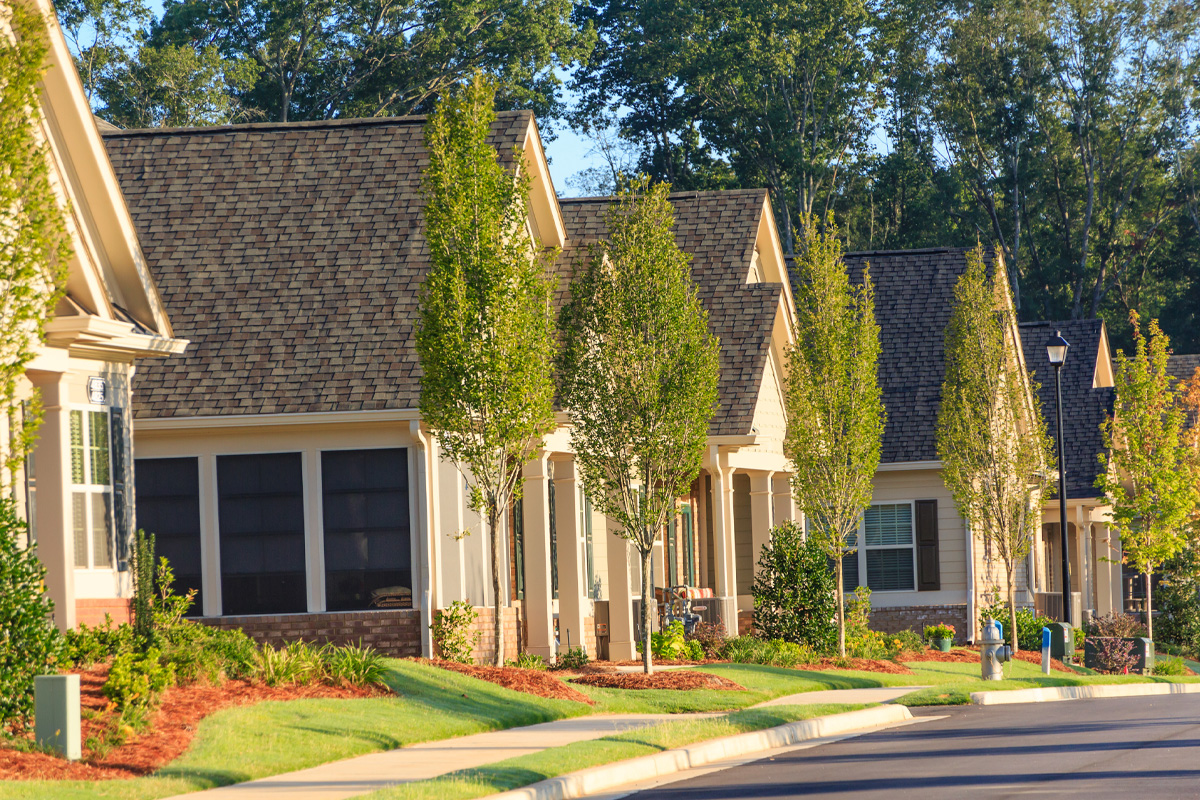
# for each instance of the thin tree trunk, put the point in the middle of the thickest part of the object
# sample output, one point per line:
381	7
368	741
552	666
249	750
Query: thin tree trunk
841	609
1149	609
647	600
497	622
1012	606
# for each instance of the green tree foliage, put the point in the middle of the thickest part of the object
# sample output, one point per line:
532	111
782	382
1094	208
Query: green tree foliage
1150	474
34	248
1179	600
30	644
486	333
991	437
793	590
639	372
297	59
835	408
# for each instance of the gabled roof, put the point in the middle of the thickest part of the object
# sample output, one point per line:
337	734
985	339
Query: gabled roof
914	293
719	230
291	255
1087	401
1183	367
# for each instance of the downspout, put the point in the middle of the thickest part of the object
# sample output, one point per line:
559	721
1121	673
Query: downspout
970	581
428	544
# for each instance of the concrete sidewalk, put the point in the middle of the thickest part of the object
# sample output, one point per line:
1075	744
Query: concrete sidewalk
356	776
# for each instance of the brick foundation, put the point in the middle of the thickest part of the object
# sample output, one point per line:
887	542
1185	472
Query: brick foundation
513	621
745	624
589	636
91	612
395	632
915	618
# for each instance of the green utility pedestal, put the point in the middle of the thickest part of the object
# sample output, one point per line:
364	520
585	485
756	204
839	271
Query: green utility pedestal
1062	642
56	714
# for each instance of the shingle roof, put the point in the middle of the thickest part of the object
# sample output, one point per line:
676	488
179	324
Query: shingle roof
719	230
914	290
291	255
1183	367
1084	407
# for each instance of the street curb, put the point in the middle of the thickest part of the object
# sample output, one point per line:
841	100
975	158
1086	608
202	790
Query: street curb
1052	693
609	776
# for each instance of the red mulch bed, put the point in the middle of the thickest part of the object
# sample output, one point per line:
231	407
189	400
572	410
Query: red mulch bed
970	655
530	681
863	664
667	679
171	728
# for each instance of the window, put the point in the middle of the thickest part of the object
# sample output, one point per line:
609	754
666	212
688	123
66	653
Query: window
364	498
261	507
669	533
888	547
168	506
553	535
516	529
91	494
585	525
689	544
849	561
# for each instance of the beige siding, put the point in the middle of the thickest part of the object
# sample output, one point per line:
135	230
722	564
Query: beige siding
907	485
770	420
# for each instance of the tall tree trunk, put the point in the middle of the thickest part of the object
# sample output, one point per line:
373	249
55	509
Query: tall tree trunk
1149	608
497	621
647	601
1012	605
841	609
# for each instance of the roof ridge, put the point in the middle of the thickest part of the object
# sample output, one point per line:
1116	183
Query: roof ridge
674	195
909	251
351	122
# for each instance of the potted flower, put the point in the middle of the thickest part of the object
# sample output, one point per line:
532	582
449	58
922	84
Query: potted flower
940	636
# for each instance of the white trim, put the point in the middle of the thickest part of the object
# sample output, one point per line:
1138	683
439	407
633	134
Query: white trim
210	536
900	466
264	420
313	490
970	580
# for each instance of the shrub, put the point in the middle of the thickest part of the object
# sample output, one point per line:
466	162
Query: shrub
939	631
142	607
1115	655
1123	626
452	636
528	661
1029	624
1178	600
768	652
574	658
87	645
794	590
354	665
136	679
1170	666
693	651
907	641
30	644
710	636
668	644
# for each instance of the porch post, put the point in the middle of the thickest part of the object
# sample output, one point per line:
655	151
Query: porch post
1104	571
723	546
55	529
539	611
571	580
620	596
761	497
785	506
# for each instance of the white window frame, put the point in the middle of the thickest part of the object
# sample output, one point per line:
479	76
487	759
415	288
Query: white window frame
91	493
863	579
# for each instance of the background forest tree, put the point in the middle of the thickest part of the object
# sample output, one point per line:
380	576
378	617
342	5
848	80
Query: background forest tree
1063	132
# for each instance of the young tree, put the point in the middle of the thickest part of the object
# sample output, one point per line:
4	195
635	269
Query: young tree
1150	474
835	408
991	437
486	334
639	372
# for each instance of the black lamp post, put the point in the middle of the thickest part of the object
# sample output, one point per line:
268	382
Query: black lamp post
1056	348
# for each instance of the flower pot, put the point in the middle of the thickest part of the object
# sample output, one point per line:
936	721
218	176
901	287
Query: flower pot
944	644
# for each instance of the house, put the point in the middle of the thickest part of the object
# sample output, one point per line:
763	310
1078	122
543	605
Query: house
1094	549
77	482
283	463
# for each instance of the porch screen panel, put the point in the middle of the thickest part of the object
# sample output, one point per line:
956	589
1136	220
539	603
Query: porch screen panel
261	505
366	525
168	506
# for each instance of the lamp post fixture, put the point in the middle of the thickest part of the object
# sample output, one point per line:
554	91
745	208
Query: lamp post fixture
1056	349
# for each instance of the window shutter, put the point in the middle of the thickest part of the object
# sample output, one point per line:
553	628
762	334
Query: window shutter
928	575
122	502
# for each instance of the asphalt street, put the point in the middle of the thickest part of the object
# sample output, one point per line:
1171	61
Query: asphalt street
1113	748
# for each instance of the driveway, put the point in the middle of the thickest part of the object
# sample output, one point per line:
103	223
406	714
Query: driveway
1120	748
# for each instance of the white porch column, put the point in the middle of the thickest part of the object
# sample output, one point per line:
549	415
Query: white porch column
572	579
55	522
539	611
725	567
620	595
785	506
761	499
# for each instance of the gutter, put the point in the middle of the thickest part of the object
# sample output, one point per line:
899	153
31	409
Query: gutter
970	581
425	450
